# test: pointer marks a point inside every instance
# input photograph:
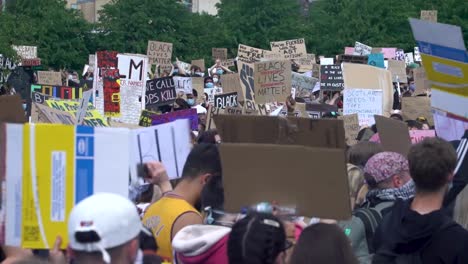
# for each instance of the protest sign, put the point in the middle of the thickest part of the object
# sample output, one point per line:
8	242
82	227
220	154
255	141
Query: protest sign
50	115
303	84
316	110
160	91
362	49
398	70
231	84
146	118
168	143
351	127
106	59
198	84
306	64
26	52
199	63
417	55
62	92
429	15
364	102
421	81
246	75
399	55
326	61
11	110
414	107
92	118
225	100
184	66
159	53
219	53
211	92
393	135
211	113
92	62
228	63
447	127
331	78
389	53
233	110
409	58
39	98
111	87
272	81
249	54
349	51
49	78
190	114
183	84
417	136
81	113
352	59
377	60
303	193
290	49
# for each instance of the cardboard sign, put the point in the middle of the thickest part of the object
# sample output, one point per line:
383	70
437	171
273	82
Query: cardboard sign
198	84
290	49
199	63
81	113
272	81
351	127
11	109
211	92
326	61
159	53
400	55
303	84
377	60
160	91
231	84
393	135
429	15
26	52
414	107
306	64
225	100
246	75
111	87
417	55
146	118
53	116
398	70
409	58
249	54
331	78
211	113
297	190
349	51
190	114
228	63
417	136
219	53
49	78
183	84
362	49
106	59
364	102
421	81
389	53
93	117
277	130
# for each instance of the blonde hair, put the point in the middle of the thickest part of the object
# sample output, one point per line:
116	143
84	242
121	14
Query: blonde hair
460	213
355	181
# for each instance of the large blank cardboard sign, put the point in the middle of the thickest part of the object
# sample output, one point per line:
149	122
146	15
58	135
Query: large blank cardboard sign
11	110
393	134
326	133
414	107
282	174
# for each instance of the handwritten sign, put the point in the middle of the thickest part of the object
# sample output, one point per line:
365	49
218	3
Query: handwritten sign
231	84
145	118
228	63
49	78
429	15
249	54
389	53
306	64
398	70
331	78
419	135
420	80
159	53
211	92
160	91
225	100
183	84
190	114
303	84
377	60
290	49
26	52
219	53
351	126
414	107
409	58
54	116
400	55
362	49
364	102
272	81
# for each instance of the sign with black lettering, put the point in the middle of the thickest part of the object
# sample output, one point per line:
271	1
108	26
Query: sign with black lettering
160	91
272	81
225	100
331	78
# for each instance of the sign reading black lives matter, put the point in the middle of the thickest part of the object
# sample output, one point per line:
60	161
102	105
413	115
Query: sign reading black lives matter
160	91
225	100
331	78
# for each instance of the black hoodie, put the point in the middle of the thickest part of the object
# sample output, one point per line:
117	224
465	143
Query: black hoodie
436	237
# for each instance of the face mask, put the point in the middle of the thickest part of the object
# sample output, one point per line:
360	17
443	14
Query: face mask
191	101
201	74
24	107
412	87
209	85
215	80
175	71
70	77
220	71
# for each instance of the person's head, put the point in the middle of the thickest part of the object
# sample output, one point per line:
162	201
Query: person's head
396	117
360	153
323	243
386	170
209	82
424	122
413	125
181	104
196	71
210	136
104	228
432	163
365	134
258	238
192	98
216	78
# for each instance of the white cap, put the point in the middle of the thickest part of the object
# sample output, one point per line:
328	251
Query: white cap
112	217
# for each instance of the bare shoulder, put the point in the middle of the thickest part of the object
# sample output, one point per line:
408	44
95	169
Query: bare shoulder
186	219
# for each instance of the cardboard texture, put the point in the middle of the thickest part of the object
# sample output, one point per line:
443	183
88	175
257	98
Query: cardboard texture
290	49
53	116
429	15
198	83
11	109
231	84
228	63
92	118
159	53
49	78
393	134
249	54
421	81
211	113
303	84
276	130
398	70
306	64
200	63
351	127
272	81
290	185
219	53
361	49
414	107
359	76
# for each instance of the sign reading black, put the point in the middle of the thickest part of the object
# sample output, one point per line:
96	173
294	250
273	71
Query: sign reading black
225	100
160	91
331	78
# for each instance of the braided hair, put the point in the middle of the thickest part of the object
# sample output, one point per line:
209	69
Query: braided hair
257	239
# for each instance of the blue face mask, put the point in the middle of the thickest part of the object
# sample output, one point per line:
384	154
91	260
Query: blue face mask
220	71
176	71
209	85
24	107
191	101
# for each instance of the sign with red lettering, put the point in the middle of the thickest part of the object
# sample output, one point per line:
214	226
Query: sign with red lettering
272	81
111	92
419	135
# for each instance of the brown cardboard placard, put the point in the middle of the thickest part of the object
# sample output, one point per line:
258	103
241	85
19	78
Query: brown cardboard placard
429	15
393	134
198	83
211	113
159	53
266	178
49	78
249	54
11	109
272	81
246	76
398	69
231	83
290	49
351	127
200	63
219	53
326	133
49	115
228	63
414	107
421	81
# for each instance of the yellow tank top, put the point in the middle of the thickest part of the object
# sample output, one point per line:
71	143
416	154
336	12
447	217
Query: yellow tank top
160	218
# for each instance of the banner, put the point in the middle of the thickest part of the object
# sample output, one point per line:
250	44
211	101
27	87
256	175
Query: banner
190	114
225	100
160	91
49	78
290	49
272	81
159	53
362	49
364	102
331	78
